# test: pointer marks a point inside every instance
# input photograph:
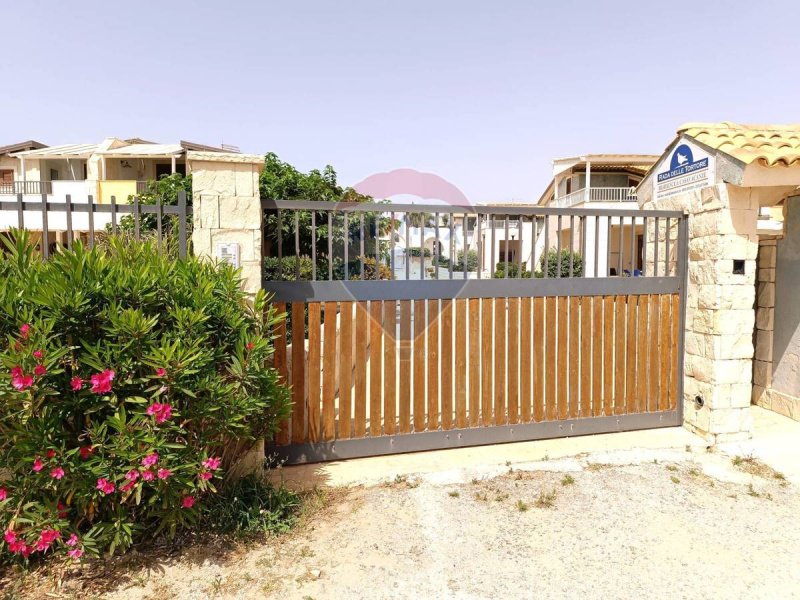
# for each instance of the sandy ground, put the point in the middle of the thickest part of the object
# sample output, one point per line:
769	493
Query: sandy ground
629	524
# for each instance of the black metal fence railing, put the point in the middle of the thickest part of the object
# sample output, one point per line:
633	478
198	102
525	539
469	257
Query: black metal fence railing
87	219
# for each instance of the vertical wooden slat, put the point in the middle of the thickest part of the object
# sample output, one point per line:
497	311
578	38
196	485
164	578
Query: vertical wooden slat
525	358
619	355
281	366
630	358
642	340
432	360
314	371
574	355
474	361
674	369
608	366
389	366
329	372
538	359
405	366
375	366
360	399
663	351
562	374
652	370
419	365
447	364
587	334
345	369
597	334
514	336
298	373
461	327
550	368
487	389
500	361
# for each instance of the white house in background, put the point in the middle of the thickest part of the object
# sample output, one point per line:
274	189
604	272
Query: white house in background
600	181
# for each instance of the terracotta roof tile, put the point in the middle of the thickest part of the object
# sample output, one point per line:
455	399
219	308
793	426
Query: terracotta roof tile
769	145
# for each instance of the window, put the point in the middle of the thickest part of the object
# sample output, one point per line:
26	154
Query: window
53	174
6	176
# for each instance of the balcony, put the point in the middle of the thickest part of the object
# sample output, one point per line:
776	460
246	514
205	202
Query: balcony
596	194
33	188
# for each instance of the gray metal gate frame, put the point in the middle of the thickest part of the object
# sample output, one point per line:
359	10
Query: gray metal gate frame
348	290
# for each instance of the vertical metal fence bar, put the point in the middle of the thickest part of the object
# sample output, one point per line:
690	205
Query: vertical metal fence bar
346	236
608	246
478	228
571	244
520	234
114	215
377	248
436	248
314	248
422	247
407	249
361	246
69	220
159	220
597	246
666	249
20	213
45	230
558	246
391	243
619	249
644	246
655	247
296	245
546	262
136	217
534	241
91	220
330	246
182	224
633	245
465	250
493	264
280	244
584	220
682	269
452	245
505	254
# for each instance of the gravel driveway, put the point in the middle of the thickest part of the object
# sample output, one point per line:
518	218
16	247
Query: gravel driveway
657	524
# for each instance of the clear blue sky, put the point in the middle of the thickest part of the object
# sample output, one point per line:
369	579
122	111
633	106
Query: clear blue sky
484	94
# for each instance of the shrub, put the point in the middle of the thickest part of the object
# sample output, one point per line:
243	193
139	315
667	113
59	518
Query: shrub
553	264
130	382
472	260
370	272
510	270
286	269
416	251
166	191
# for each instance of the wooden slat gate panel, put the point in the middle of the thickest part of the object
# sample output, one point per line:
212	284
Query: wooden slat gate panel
375	374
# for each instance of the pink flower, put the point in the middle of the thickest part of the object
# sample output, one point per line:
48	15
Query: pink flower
250	345
9	536
62	511
72	541
101	382
105	486
57	473
51	453
38	354
150	459
188	502
132	475
164	473
161	412
148	475
46	539
25	330
75	553
38	465
161	372
20	547
3	494
127	487
212	463
76	383
19	380
85	452
205	475
39	370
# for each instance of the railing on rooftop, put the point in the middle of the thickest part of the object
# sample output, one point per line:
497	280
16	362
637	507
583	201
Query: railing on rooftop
596	194
26	187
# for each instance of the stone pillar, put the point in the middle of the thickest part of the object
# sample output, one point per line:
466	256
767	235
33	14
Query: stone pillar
227	208
718	360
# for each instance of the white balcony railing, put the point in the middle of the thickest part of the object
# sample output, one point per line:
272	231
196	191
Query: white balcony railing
596	194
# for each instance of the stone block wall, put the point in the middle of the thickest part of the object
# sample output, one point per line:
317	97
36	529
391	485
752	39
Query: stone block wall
718	358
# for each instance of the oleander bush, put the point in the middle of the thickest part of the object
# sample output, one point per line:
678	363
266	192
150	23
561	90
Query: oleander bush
131	382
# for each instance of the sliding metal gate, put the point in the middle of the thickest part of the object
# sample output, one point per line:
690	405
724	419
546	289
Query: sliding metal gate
414	327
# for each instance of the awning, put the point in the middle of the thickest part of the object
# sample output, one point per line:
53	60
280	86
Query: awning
64	152
144	151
